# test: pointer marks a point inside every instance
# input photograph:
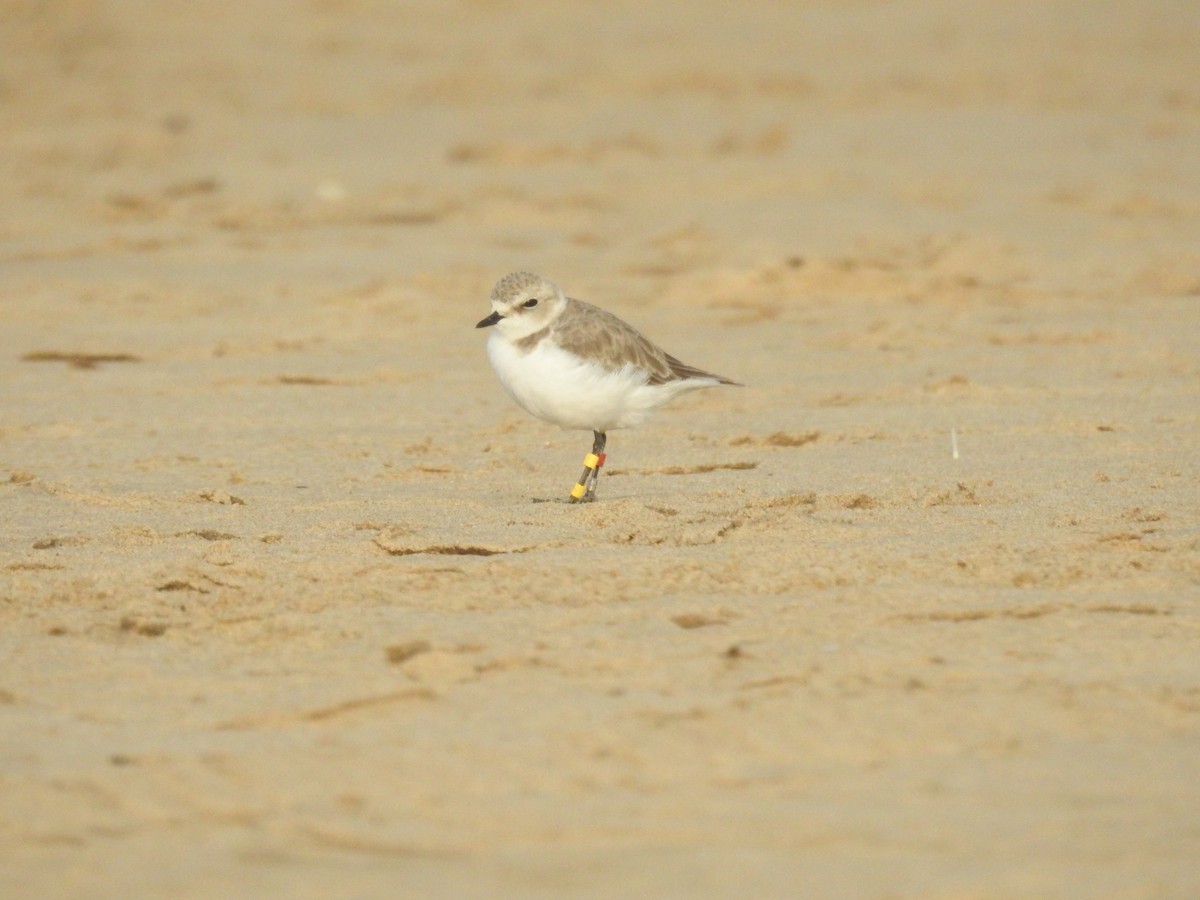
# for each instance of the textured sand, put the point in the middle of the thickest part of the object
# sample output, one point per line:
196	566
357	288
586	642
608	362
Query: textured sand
278	615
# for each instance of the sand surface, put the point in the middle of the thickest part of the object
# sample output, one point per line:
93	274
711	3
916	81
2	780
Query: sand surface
279	615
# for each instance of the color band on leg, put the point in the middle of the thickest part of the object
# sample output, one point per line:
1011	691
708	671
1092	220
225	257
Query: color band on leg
585	489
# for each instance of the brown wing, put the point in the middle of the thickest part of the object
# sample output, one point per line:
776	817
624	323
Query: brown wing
683	370
590	331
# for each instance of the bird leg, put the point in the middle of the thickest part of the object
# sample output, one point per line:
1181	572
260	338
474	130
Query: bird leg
598	451
585	489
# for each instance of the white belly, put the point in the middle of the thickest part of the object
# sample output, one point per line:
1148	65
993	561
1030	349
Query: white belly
556	386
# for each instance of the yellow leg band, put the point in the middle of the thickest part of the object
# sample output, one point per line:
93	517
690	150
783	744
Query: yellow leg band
577	491
590	461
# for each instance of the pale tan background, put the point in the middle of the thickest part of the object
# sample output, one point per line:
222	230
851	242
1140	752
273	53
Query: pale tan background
278	615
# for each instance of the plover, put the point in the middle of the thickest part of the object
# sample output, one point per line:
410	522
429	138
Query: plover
577	366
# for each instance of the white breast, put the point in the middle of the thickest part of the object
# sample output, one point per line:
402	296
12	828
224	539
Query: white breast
561	388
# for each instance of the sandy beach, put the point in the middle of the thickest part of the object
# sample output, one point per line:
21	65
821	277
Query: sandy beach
290	604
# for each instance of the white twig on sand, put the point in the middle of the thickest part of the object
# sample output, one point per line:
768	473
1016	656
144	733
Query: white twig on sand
953	443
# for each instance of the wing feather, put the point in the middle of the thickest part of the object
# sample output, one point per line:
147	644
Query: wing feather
591	332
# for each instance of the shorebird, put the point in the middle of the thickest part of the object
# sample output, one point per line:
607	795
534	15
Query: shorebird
573	364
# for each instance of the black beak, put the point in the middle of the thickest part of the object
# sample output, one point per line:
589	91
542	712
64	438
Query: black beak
489	321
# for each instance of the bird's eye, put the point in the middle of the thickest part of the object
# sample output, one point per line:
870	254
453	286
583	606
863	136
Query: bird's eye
530	304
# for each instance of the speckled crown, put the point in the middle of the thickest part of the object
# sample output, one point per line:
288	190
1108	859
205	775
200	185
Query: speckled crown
510	286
